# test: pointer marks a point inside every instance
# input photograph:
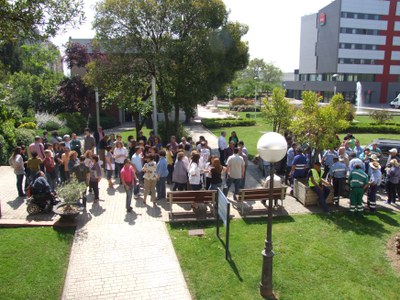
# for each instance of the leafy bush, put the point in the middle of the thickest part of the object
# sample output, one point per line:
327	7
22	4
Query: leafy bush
245	108
218	123
51	125
75	121
43	118
29	125
28	119
374	128
24	136
381	116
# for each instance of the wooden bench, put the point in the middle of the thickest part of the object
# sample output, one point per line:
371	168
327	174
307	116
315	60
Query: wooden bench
305	195
261	194
192	197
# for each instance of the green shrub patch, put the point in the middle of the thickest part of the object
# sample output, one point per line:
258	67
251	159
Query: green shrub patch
230	122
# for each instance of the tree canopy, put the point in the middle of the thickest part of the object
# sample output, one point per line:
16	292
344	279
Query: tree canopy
188	46
259	77
39	19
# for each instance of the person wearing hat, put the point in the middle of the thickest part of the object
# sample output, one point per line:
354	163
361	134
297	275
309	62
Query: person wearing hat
354	160
358	181
392	155
393	175
337	176
374	183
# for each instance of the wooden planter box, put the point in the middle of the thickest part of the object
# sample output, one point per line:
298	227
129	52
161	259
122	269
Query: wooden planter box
306	196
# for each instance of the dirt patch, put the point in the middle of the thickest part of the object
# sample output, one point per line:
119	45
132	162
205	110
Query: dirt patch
392	253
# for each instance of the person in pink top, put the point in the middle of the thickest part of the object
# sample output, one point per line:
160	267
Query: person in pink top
128	180
37	147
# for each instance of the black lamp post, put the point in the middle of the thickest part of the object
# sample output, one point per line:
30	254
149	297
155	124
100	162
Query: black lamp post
271	147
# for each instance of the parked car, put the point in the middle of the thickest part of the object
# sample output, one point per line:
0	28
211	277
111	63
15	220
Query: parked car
396	102
385	145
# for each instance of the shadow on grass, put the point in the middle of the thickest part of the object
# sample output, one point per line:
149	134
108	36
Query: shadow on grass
359	223
264	220
64	233
231	261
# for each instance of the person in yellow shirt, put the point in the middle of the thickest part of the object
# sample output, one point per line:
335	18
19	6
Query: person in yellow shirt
315	183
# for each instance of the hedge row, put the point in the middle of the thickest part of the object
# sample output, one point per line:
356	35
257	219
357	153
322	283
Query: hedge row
374	128
231	122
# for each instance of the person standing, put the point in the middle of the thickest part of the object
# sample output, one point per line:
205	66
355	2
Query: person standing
50	168
246	163
235	167
291	153
337	175
298	167
374	183
234	138
82	174
180	173
222	145
37	147
120	154
88	142
393	175
194	172
327	160
216	174
33	166
129	180
150	179
98	136
95	177
76	144
162	174
358	181
137	162
109	165
17	163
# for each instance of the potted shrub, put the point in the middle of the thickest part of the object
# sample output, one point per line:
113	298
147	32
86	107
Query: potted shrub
69	194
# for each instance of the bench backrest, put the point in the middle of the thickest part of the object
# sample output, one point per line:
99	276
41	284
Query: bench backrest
192	196
261	194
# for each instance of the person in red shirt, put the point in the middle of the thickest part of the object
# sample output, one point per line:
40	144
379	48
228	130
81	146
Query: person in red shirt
128	180
50	168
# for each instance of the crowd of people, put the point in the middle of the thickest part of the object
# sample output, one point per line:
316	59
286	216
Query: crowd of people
147	165
143	166
361	168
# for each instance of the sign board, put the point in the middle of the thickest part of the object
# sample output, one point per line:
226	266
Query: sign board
223	213
322	19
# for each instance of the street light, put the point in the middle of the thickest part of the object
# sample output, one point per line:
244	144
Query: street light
334	77
229	96
271	147
255	97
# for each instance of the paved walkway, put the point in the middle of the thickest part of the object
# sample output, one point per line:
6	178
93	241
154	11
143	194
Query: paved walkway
119	255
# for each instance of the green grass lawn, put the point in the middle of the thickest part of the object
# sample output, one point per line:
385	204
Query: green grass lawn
316	257
33	262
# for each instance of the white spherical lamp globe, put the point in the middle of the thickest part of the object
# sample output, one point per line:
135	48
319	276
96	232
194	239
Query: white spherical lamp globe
272	147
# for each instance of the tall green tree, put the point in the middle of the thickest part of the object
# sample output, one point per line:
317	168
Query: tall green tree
259	77
39	19
188	46
317	125
277	111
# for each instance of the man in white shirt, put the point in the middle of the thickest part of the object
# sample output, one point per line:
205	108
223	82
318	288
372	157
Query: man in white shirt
222	145
136	160
235	167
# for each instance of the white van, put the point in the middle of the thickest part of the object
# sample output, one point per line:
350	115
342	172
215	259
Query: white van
396	102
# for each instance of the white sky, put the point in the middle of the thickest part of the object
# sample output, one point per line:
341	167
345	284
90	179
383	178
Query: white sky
274	27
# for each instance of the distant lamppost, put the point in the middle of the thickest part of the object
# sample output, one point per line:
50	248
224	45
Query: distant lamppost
97	107
229	96
334	77
255	97
272	147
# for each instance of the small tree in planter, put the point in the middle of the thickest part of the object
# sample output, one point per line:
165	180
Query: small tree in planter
69	193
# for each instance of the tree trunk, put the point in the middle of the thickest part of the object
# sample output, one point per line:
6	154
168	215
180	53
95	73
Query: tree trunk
138	124
176	116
